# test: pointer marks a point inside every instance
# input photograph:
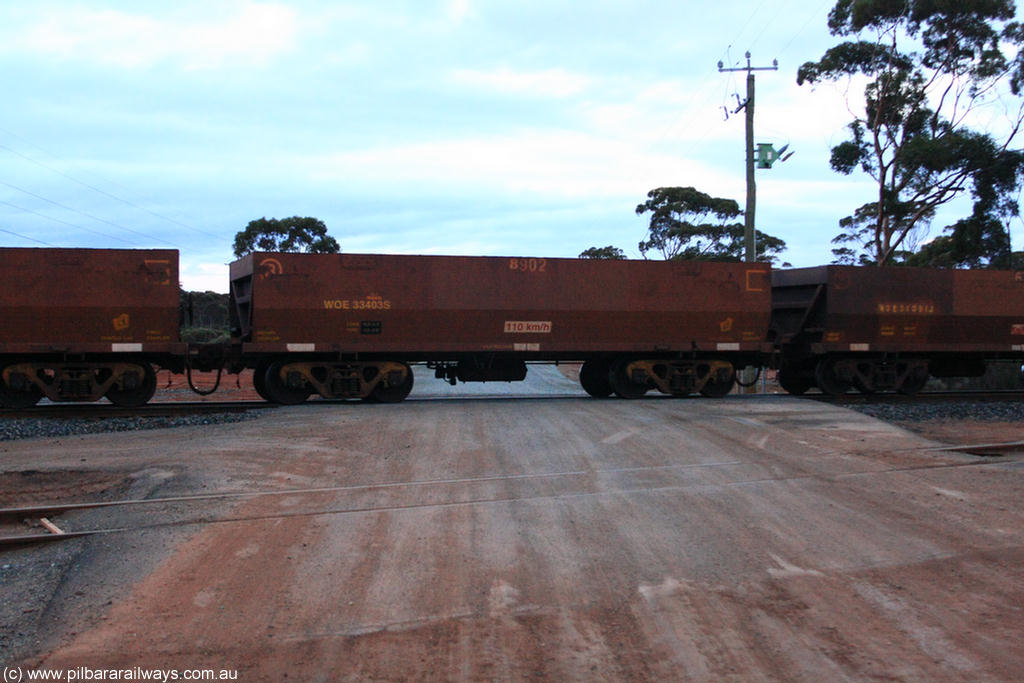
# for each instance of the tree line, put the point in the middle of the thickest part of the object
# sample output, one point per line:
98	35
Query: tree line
931	71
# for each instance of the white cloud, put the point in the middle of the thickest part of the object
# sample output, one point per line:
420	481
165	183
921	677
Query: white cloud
458	10
545	83
203	277
690	112
252	33
543	163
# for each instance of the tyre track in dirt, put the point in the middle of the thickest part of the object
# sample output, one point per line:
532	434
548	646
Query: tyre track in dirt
625	541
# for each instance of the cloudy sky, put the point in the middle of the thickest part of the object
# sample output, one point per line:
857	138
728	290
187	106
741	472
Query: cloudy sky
420	126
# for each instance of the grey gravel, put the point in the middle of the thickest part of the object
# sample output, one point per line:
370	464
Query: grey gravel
986	411
34	428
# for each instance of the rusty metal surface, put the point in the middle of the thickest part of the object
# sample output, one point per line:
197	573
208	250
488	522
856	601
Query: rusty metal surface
906	309
88	300
436	304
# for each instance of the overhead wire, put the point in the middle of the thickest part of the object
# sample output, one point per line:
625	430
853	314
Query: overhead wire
687	115
101	191
810	18
776	15
750	18
732	87
685	118
681	122
88	215
90	186
73	225
26	237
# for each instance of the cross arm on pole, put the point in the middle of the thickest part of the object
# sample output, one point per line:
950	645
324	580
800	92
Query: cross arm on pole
774	67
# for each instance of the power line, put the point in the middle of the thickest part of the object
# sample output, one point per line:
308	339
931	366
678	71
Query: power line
812	17
26	237
750	18
731	85
93	188
73	225
87	215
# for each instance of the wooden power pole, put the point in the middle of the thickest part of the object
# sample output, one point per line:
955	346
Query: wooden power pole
748	105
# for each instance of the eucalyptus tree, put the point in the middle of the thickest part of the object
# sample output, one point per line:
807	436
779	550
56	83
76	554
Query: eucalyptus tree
293	234
686	223
938	117
609	253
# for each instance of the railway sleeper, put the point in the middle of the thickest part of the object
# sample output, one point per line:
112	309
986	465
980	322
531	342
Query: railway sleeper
631	378
380	381
127	385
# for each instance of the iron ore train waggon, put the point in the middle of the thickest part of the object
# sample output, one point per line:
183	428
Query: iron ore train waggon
81	324
879	329
347	326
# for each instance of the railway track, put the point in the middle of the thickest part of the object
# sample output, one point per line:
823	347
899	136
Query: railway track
10	517
106	410
170	408
923	397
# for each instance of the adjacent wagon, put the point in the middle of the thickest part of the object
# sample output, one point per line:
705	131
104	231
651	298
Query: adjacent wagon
837	327
80	324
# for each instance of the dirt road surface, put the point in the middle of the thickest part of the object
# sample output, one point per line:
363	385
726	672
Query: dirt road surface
549	537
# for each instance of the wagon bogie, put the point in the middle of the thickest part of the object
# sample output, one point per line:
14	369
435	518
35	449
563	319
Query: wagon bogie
17	390
718	378
131	385
634	377
870	375
127	384
629	379
290	382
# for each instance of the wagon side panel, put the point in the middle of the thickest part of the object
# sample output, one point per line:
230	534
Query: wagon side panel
88	299
436	305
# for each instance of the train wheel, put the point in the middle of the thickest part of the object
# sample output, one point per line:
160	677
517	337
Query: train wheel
828	381
864	386
594	378
259	379
914	381
622	384
393	394
792	382
140	390
19	398
278	390
719	384
864	378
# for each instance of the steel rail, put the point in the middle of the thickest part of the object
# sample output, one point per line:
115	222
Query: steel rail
35	511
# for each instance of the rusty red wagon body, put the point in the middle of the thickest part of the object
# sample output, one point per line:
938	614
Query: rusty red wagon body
78	324
889	328
81	324
358	319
